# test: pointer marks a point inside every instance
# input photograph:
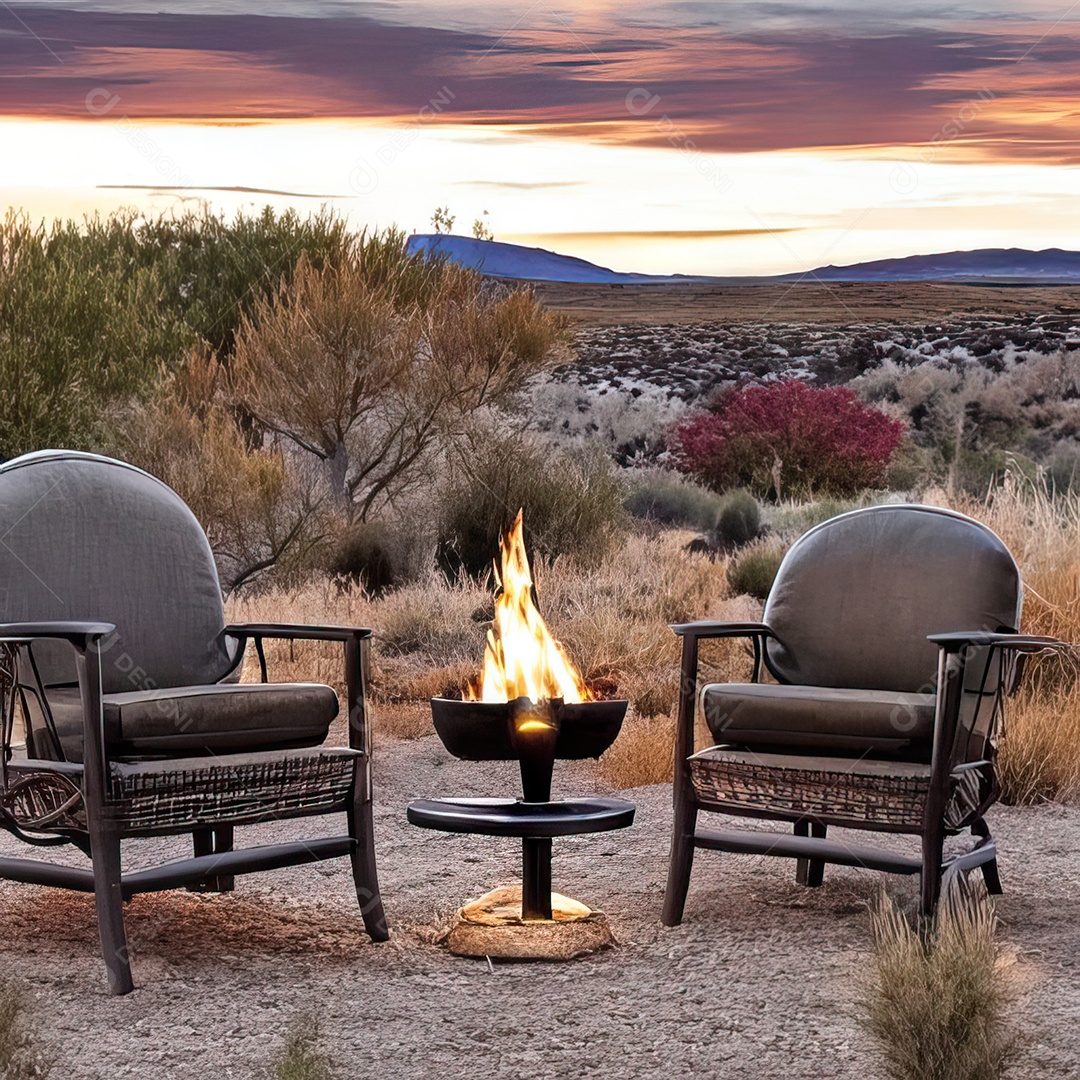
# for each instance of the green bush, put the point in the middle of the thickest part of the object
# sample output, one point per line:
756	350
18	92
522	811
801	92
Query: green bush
670	499
90	315
739	521
1063	467
913	468
975	472
791	520
753	571
571	502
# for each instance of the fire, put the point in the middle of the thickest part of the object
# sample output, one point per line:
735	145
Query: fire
522	659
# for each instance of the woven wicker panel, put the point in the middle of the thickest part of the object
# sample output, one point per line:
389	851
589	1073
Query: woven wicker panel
743	785
43	801
238	793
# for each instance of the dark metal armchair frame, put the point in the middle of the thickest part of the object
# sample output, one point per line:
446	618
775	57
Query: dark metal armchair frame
102	801
809	844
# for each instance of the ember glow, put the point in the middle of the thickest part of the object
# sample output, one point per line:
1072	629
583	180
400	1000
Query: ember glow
522	659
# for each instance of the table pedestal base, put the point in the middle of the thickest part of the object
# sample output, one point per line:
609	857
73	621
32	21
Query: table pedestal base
494	926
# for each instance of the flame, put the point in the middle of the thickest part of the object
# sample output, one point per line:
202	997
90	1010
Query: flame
522	659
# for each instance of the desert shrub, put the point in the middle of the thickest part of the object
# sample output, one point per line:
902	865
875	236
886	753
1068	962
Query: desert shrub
977	472
78	332
216	270
628	424
1063	467
791	519
913	468
258	508
370	376
937	1002
364	555
788	438
968	412
21	1057
572	502
671	499
90	314
738	522
753	570
300	1058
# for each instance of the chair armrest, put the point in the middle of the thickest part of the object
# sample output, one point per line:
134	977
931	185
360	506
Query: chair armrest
79	634
1028	643
298	631
357	642
707	629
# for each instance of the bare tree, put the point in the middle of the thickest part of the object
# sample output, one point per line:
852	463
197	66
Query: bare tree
258	508
370	382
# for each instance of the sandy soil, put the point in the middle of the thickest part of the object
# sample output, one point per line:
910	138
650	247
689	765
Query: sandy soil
760	981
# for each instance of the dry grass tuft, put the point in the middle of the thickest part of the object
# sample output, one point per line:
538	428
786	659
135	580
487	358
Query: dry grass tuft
300	1058
938	999
404	720
20	1056
1043	533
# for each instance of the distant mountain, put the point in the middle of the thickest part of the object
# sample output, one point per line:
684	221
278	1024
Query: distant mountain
989	265
998	264
527	263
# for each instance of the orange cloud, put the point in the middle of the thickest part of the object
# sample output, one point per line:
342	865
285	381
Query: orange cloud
1004	90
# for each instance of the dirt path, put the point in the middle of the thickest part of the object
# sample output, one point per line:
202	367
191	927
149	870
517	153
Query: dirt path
758	982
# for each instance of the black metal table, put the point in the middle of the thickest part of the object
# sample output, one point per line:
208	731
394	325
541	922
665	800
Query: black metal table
535	822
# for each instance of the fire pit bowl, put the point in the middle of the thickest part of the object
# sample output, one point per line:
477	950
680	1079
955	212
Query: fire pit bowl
483	730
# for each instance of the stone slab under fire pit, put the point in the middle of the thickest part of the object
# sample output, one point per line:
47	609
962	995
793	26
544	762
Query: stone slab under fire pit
493	927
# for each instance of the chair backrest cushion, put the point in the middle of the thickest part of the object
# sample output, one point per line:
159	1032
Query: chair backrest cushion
89	538
856	597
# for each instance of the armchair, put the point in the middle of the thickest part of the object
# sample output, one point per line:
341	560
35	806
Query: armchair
117	665
891	634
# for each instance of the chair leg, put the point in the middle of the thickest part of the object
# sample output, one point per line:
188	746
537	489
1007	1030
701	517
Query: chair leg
989	869
108	896
213	840
933	846
365	874
810	872
223	841
681	862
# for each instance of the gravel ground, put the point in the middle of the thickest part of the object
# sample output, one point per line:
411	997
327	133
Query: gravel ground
759	981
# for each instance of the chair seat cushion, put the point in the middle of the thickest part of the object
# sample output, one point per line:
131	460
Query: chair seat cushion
822	719
222	718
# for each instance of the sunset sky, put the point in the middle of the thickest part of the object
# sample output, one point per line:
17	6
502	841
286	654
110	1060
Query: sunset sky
689	137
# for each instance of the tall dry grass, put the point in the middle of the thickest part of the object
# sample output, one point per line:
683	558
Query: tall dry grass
429	638
614	619
938	998
1039	752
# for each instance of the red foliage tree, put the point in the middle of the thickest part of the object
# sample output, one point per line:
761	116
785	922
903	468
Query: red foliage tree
788	438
